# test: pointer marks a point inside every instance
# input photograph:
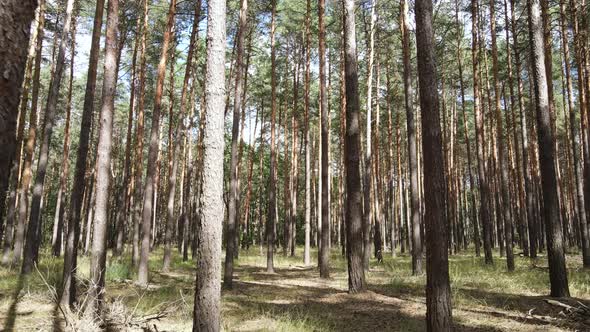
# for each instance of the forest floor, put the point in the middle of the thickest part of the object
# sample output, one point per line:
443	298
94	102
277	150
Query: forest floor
485	298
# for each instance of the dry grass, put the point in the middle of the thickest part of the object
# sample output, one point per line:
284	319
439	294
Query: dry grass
485	298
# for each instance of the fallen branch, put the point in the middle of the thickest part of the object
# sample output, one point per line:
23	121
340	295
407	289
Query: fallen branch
578	314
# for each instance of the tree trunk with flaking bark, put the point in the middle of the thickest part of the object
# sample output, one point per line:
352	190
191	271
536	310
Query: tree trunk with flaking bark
555	249
438	290
95	300
16	18
206	315
15	169
352	146
14	221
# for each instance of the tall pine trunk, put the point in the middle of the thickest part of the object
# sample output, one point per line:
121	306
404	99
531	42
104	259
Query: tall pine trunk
16	18
206	315
473	216
307	244
438	290
14	220
152	167
412	150
34	228
234	172
138	194
95	299
502	161
367	215
579	173
485	208
65	164
352	146
324	250
68	292
555	248
270	223
180	136
16	164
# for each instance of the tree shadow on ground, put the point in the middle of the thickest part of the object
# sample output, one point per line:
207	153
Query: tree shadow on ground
12	310
526	306
329	309
260	274
516	307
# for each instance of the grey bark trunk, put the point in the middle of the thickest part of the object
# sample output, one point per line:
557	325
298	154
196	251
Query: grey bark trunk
103	162
206	315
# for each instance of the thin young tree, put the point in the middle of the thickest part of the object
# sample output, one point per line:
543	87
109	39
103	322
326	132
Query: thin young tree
180	137
412	149
503	164
438	289
574	131
68	291
528	185
521	188
137	199
34	228
207	315
152	167
352	146
124	199
324	252
474	217
367	213
56	241
555	246
95	299
270	224
233	186
484	210
307	244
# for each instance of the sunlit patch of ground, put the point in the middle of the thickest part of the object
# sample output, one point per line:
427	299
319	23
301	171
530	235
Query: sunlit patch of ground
294	298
